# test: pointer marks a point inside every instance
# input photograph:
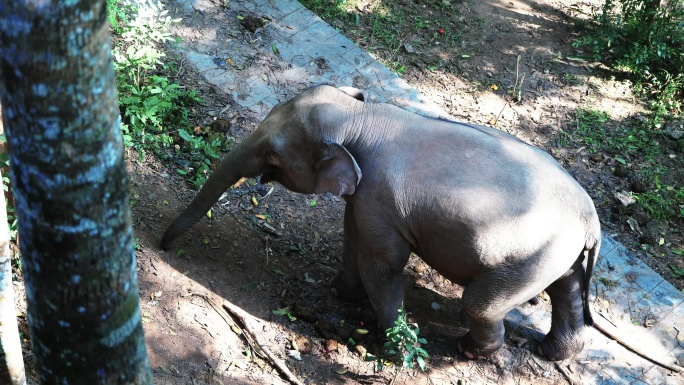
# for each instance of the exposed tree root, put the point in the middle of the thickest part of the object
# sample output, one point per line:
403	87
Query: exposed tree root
250	331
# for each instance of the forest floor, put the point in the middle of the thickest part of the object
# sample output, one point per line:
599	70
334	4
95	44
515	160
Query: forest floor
278	269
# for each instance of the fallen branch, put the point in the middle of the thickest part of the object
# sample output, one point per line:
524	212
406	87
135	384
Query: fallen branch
249	323
250	331
603	328
565	374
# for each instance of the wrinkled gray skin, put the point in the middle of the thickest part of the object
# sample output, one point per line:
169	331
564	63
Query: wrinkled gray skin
484	209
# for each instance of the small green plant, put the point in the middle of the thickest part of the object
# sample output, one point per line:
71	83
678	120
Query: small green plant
403	344
571	79
590	127
154	110
286	311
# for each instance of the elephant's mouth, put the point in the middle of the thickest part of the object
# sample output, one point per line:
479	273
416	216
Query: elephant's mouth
268	176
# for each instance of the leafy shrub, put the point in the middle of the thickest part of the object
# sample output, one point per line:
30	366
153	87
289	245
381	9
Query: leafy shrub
154	109
645	39
403	344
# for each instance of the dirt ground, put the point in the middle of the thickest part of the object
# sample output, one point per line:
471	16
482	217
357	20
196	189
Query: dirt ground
286	261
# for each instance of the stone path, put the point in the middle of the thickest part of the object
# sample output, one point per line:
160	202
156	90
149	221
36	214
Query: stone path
297	49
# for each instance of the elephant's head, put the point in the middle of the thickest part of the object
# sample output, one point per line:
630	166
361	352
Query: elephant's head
298	145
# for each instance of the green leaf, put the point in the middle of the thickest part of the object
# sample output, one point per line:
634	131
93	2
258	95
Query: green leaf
421	362
185	135
678	251
369	357
676	271
282	312
620	160
312	203
408	360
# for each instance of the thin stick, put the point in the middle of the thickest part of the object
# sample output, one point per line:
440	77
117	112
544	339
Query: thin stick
604	329
249	323
565	374
251	334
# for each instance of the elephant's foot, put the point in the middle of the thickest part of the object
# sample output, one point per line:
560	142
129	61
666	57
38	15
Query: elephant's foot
474	350
561	348
340	288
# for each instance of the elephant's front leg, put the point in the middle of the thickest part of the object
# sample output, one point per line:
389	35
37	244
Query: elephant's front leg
347	282
381	263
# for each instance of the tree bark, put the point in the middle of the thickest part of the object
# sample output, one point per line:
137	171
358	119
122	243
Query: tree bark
71	192
11	359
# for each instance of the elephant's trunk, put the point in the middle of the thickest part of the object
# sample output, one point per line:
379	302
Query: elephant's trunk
239	162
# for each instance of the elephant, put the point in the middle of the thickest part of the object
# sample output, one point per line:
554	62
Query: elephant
486	210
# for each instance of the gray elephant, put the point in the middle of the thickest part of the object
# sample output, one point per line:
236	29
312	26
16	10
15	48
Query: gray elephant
484	209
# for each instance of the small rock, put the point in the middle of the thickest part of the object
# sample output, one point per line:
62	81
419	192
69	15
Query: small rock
325	328
648	239
638	187
304	344
625	198
642	219
331	345
408	48
220	125
596	157
295	354
435	306
620	171
306	314
345	331
675	129
361	350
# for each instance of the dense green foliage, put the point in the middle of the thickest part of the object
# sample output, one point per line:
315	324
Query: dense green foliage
646	39
154	109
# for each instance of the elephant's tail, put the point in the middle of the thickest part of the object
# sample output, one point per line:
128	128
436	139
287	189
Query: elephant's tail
591	254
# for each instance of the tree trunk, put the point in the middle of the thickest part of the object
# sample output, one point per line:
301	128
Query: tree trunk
71	192
11	359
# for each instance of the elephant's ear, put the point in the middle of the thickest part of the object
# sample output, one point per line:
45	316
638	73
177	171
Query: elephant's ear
337	171
353	92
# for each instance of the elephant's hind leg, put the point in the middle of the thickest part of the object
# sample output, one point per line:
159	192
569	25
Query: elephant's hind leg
485	337
565	339
347	282
486	300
